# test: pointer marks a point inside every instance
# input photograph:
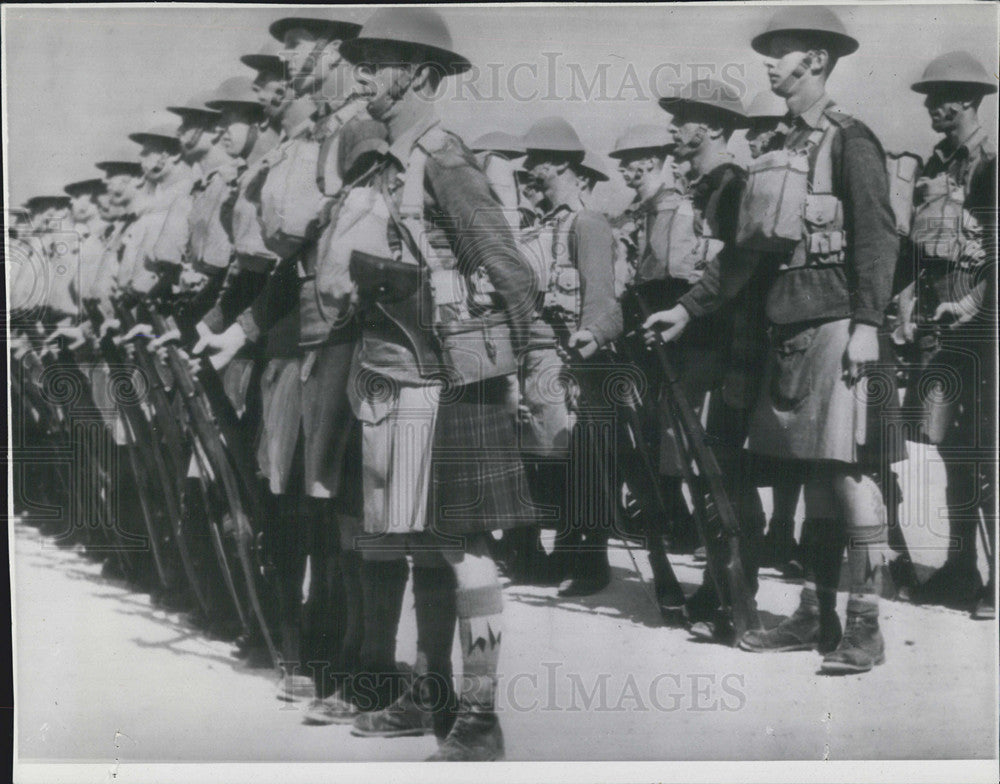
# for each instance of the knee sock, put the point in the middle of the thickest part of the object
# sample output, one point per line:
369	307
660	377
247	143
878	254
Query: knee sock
382	585
434	600
289	557
863	509
480	627
349	658
823	542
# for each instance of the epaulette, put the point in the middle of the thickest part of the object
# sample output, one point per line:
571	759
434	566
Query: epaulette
839	117
435	139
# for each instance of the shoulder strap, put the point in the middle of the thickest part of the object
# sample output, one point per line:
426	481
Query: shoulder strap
821	179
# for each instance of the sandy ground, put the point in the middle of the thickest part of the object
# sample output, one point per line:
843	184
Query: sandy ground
104	676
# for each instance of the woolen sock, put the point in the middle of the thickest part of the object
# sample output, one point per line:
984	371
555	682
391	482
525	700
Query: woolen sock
480	627
383	584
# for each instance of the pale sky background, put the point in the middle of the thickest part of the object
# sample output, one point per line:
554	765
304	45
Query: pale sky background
79	79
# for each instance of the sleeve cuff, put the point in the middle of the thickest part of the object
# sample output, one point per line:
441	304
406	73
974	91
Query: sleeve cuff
869	316
249	325
605	329
214	320
690	304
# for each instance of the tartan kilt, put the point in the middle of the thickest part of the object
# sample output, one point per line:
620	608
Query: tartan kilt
478	482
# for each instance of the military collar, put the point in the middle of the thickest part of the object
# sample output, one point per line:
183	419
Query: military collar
403	146
559	212
975	140
811	116
652	203
712	177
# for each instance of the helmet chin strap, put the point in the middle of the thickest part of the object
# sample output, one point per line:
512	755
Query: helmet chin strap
797	73
253	133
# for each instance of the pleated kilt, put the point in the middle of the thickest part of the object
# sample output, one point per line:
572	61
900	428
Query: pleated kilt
478	482
806	409
436	459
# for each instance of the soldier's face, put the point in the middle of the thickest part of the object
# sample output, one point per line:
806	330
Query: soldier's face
384	84
235	133
944	110
760	134
120	190
271	91
106	208
785	54
156	161
82	208
635	168
690	136
299	46
197	135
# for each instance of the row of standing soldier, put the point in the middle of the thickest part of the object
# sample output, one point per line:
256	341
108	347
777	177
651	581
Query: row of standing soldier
426	335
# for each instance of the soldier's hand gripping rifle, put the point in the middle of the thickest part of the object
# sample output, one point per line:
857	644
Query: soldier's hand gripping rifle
155	447
715	519
669	594
218	454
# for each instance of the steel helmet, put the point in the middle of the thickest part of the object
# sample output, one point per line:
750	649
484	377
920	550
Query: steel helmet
47	201
767	105
268	60
330	29
161	132
553	134
594	166
499	142
419	31
237	91
955	68
814	20
643	137
120	161
89	186
195	107
710	96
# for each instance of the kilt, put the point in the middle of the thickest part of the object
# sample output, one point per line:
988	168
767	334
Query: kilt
807	411
478	482
281	415
437	459
327	421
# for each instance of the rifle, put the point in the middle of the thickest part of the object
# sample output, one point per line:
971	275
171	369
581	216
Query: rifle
714	516
145	435
206	430
669	594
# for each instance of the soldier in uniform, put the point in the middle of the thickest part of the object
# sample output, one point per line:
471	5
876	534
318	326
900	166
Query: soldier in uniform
767	113
310	438
948	310
578	314
721	359
812	407
444	215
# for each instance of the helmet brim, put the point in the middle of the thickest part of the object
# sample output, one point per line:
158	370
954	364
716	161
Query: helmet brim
334	30
374	50
268	63
143	138
925	86
677	106
840	44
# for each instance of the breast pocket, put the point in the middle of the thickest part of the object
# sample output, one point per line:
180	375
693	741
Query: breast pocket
792	380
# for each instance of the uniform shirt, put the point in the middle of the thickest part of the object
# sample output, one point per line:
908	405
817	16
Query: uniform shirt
972	165
457	197
861	288
151	235
592	252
